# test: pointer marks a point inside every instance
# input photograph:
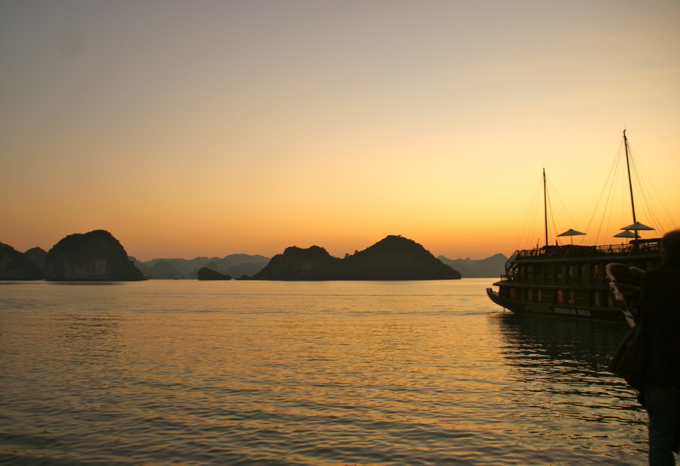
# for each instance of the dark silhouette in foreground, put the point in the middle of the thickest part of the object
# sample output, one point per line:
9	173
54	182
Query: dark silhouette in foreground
660	333
93	256
393	258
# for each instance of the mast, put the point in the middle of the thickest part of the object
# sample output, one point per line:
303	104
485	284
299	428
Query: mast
545	208
630	181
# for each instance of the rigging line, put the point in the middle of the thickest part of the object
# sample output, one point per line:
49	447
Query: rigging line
557	208
537	222
545	208
642	191
645	182
552	217
607	213
535	227
611	196
607	188
651	212
531	214
529	219
604	188
663	207
561	204
624	209
643	196
621	192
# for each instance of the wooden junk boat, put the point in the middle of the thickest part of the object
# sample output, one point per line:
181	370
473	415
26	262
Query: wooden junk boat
571	280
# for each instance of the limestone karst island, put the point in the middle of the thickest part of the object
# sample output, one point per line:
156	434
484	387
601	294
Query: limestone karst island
99	256
393	258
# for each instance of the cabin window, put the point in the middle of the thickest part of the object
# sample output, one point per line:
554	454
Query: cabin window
597	273
512	292
596	298
560	297
531	295
538	296
572	271
547	296
582	298
570	298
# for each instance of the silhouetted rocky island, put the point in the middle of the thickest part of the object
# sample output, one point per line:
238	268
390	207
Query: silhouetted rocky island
393	258
37	256
204	273
93	256
16	266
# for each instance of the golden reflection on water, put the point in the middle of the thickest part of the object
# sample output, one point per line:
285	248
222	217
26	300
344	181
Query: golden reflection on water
316	373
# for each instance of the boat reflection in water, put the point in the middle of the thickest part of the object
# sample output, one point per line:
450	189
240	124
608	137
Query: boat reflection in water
557	369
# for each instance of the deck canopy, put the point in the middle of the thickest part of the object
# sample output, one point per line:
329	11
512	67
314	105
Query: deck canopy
625	234
637	226
571	232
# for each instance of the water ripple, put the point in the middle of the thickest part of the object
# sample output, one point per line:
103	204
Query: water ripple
332	373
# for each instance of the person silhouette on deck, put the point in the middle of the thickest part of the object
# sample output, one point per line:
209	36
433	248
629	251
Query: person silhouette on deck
660	332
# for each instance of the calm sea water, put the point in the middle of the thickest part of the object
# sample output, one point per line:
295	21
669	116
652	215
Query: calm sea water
301	373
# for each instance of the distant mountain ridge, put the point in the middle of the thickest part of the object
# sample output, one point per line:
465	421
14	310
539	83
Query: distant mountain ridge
491	267
234	265
392	258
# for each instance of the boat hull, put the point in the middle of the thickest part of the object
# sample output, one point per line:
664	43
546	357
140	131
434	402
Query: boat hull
556	310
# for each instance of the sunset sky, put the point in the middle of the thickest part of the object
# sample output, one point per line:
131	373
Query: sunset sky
211	128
